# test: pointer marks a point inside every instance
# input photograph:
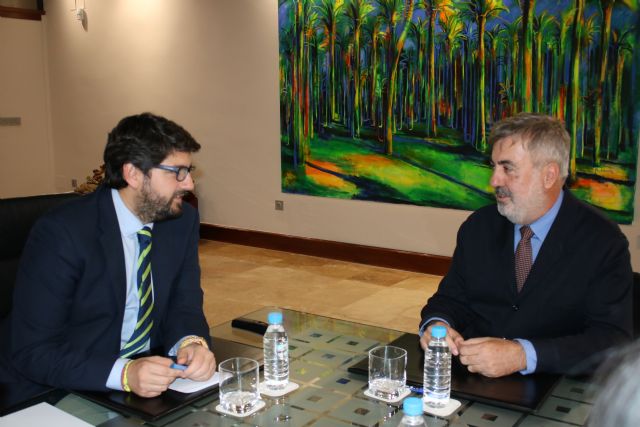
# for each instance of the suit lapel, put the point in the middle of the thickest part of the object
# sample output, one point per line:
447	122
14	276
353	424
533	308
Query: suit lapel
506	252
112	251
161	267
553	247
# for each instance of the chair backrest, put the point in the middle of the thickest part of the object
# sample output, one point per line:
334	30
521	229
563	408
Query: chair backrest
17	216
636	305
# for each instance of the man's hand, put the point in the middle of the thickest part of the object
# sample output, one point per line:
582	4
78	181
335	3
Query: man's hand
150	376
492	357
200	361
453	337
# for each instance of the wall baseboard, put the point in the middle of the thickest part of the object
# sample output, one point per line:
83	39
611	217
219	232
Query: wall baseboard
381	257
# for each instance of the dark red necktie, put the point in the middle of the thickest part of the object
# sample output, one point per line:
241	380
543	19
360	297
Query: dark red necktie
524	256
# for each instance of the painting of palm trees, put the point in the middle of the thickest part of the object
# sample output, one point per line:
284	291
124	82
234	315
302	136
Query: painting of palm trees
393	100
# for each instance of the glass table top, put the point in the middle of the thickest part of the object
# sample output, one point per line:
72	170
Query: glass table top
321	350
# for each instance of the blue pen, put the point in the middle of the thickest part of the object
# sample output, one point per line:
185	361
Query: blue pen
177	366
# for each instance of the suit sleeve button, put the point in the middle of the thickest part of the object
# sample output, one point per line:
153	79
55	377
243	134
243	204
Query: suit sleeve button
515	307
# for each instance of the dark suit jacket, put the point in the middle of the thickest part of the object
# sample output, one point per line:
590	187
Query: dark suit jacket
576	301
64	329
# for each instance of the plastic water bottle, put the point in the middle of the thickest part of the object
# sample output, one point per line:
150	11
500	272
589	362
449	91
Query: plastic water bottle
437	369
412	408
276	353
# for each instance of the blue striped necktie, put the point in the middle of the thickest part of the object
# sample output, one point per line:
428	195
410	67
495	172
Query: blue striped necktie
144	324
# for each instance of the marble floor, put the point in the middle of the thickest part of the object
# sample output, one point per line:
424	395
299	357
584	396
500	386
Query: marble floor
239	279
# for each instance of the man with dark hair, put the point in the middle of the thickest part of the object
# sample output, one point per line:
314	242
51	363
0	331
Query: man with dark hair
540	282
109	279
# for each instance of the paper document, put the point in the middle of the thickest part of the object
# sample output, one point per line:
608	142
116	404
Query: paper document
40	415
189	386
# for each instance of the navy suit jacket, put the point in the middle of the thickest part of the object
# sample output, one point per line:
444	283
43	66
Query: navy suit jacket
65	326
576	301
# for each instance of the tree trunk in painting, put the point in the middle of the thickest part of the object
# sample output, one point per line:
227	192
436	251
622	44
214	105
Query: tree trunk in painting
481	94
388	139
528	9
295	99
374	74
515	102
539	100
357	10
605	32
622	49
431	79
301	134
356	81
575	82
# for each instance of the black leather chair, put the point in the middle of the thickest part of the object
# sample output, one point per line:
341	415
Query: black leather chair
636	305
17	216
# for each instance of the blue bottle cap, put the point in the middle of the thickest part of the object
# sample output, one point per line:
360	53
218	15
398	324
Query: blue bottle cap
438	331
412	406
275	318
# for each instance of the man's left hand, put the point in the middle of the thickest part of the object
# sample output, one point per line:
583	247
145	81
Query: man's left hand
200	361
492	357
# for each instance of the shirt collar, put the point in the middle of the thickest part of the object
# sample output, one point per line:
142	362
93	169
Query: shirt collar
542	225
129	223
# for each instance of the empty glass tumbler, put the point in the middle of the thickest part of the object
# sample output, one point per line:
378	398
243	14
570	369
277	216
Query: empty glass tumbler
239	380
387	371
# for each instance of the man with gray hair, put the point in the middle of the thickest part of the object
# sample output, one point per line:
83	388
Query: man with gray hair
539	282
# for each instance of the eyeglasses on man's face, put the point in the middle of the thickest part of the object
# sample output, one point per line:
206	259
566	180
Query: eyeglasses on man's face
180	171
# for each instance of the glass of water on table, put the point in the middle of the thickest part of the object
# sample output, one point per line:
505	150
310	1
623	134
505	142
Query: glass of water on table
387	372
239	380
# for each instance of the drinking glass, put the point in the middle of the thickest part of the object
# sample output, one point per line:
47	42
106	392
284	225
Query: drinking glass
387	371
239	380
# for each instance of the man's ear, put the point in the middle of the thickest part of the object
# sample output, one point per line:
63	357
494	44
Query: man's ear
132	175
551	174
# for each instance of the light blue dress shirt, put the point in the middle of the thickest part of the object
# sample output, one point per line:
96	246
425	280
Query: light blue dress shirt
540	229
129	227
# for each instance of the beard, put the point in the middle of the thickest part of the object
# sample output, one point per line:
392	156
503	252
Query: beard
152	207
519	209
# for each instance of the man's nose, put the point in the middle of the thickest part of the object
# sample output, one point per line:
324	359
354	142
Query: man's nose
187	183
496	178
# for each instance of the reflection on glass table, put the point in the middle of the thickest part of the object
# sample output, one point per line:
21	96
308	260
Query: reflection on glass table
321	350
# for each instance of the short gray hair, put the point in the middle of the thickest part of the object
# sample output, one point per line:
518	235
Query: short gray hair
544	137
617	402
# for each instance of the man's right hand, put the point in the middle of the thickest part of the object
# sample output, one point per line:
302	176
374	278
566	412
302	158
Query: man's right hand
150	376
453	337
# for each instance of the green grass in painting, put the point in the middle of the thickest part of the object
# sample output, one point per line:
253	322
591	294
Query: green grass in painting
374	176
299	182
456	165
429	172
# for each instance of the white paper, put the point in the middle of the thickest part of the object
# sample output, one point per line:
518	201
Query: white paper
189	386
40	415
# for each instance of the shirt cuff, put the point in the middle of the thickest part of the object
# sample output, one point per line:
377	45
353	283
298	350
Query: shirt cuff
429	320
114	381
174	350
531	355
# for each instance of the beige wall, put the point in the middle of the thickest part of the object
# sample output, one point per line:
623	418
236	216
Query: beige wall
211	65
26	165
